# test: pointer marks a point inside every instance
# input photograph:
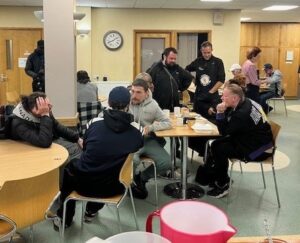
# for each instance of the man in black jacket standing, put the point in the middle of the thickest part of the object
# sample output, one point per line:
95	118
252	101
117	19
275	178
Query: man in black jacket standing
210	76
168	79
35	67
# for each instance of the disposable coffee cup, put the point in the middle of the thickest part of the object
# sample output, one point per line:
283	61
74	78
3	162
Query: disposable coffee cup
177	112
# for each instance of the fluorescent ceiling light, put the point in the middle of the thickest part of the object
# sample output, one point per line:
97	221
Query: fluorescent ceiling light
215	0
245	19
280	7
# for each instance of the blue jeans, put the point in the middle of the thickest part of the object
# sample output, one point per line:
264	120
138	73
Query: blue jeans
263	97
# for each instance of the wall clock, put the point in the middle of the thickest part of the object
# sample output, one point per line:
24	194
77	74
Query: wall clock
113	40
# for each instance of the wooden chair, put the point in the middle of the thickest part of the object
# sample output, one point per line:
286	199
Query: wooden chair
270	160
7	229
125	177
146	160
281	98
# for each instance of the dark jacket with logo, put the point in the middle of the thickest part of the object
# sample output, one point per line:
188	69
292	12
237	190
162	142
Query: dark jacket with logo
247	128
166	87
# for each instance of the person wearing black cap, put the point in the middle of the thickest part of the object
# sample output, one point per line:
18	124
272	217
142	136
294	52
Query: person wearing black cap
273	80
35	67
107	143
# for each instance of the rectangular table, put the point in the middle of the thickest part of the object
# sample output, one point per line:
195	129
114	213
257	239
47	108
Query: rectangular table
184	132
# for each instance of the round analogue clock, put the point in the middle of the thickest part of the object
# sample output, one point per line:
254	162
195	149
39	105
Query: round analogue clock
113	40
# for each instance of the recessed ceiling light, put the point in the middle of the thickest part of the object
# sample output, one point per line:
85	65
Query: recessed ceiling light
245	19
215	0
280	7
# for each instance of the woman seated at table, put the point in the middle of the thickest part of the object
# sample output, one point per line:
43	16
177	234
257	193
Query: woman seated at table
86	91
34	122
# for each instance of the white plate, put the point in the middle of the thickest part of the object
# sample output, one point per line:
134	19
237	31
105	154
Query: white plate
198	127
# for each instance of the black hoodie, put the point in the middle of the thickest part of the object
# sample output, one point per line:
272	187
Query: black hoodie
107	142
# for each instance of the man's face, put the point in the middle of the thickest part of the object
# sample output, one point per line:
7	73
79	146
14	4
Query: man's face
206	52
228	98
138	95
171	59
268	71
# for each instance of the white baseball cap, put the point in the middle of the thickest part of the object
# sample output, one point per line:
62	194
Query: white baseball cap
235	67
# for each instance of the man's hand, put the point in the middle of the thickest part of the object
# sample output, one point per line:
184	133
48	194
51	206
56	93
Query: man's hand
146	130
43	106
80	142
221	108
211	111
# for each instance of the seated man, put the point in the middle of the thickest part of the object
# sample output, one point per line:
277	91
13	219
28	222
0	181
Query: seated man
107	143
33	122
273	79
149	118
246	135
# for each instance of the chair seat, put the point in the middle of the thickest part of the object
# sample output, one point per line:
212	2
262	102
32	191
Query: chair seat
113	199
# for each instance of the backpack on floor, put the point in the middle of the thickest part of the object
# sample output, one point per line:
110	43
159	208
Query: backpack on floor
5	120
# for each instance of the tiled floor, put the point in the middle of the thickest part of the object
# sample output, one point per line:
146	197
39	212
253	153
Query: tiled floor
249	204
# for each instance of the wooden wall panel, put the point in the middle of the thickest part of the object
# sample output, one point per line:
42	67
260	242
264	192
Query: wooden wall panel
290	35
269	35
249	34
268	55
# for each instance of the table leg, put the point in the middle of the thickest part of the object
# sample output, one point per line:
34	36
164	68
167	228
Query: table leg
183	189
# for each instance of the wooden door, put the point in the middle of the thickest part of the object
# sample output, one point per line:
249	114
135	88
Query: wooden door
148	48
23	42
289	70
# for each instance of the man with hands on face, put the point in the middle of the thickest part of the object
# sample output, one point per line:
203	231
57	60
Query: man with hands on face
148	118
34	122
246	135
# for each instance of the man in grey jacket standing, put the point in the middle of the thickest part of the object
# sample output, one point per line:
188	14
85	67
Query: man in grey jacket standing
149	118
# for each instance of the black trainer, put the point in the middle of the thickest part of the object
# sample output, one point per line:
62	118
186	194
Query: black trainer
219	191
89	216
138	187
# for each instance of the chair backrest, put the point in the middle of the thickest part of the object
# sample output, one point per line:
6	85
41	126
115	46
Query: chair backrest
275	130
7	228
87	111
126	173
186	99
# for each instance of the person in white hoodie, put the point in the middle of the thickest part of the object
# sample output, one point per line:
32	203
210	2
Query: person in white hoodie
149	118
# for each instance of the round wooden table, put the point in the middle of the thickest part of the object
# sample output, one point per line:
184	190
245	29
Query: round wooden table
29	179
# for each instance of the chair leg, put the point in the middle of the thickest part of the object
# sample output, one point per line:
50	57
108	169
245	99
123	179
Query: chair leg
62	225
31	234
285	107
83	207
192	156
276	187
133	208
155	180
263	174
241	168
230	180
119	220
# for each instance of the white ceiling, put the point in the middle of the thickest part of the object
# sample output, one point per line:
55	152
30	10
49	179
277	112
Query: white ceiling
249	8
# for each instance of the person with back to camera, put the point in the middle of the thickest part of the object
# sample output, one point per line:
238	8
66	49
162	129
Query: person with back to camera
109	139
249	69
210	76
86	91
35	67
